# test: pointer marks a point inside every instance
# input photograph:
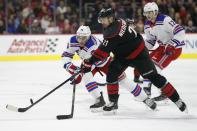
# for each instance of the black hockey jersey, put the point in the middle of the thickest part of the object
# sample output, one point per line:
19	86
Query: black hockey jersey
120	39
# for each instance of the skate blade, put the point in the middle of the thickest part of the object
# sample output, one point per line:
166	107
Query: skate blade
150	109
96	110
163	103
186	111
112	112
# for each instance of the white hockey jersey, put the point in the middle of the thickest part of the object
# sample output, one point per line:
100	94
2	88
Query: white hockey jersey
84	53
164	31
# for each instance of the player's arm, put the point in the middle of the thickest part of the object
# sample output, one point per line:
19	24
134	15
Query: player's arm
150	40
101	53
178	34
67	57
176	30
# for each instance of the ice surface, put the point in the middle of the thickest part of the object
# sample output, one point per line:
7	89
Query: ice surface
20	81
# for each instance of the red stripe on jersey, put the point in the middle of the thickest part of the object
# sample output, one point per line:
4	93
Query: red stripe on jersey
100	54
137	51
180	27
116	32
97	56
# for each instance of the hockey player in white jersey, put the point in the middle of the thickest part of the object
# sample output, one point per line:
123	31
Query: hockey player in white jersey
84	44
170	37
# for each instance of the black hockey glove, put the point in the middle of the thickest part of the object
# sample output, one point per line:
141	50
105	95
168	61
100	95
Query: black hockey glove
86	66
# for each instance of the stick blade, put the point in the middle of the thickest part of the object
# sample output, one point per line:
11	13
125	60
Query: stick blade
61	117
12	108
16	109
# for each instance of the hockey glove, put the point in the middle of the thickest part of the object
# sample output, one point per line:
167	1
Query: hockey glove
170	50
86	66
72	69
77	79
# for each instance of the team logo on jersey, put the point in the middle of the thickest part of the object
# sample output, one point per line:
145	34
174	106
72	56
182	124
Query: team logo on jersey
105	42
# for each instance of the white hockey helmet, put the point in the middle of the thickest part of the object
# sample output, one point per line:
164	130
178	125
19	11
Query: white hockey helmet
83	34
84	31
150	6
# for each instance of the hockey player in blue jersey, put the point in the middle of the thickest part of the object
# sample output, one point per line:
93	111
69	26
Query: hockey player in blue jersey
160	30
84	44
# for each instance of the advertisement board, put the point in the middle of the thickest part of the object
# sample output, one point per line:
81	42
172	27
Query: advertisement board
50	47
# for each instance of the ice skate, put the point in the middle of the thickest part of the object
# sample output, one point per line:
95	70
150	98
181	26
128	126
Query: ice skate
182	106
99	103
111	108
150	103
160	97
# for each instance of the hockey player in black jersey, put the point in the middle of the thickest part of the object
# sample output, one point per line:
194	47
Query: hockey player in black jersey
129	49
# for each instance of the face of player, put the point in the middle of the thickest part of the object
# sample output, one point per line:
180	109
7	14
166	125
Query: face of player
82	40
151	16
105	21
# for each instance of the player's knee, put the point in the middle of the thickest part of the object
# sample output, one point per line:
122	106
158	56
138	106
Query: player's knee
111	78
113	74
157	80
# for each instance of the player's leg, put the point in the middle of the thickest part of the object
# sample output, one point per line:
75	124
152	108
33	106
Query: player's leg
137	92
115	69
157	57
94	90
161	63
149	71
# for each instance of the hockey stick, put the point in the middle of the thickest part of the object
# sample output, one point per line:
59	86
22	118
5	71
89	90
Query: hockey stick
99	71
17	109
61	117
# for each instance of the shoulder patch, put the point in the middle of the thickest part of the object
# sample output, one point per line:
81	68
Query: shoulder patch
73	39
91	42
160	19
146	25
74	42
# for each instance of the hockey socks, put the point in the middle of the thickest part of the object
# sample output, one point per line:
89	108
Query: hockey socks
169	91
113	88
136	90
173	95
139	94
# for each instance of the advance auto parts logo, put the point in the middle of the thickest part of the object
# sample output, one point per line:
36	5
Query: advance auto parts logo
33	46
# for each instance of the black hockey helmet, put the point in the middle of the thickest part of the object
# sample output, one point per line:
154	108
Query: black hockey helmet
106	13
109	12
